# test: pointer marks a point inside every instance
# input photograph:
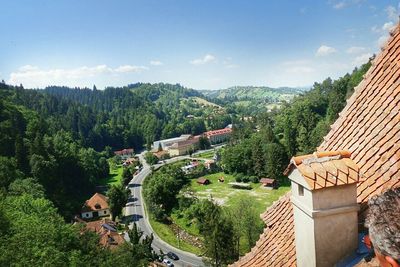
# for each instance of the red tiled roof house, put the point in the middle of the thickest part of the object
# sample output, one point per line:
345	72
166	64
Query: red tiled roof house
96	206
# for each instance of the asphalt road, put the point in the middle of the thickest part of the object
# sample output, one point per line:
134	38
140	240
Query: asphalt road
137	214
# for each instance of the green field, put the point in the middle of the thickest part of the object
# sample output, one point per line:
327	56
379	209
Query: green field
205	155
225	195
113	178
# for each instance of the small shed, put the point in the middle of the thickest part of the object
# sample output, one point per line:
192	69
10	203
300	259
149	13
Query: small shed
203	181
269	182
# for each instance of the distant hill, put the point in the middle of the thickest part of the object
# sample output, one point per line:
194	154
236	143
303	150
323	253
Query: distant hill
255	93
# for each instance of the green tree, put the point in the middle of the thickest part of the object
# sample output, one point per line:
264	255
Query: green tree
150	158
117	198
246	221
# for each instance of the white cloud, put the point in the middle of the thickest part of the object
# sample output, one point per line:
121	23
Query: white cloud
339	5
156	63
325	50
388	26
129	68
382	40
33	76
355	50
392	13
361	59
201	61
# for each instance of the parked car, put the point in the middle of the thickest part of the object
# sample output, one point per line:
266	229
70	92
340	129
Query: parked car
172	256
168	263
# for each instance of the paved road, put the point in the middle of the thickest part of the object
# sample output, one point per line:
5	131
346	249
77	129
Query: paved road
136	211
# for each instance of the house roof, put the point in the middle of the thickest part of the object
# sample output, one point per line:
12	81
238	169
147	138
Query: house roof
369	128
267	181
96	202
106	229
202	180
124	151
326	169
218	132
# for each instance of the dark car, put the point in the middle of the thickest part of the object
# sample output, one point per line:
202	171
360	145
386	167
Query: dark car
172	256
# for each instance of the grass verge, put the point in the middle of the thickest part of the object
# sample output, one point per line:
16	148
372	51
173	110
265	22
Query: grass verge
166	234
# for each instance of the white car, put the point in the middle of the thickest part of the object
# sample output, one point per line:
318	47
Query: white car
168	263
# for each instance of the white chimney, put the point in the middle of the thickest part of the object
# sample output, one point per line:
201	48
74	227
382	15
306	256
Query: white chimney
324	199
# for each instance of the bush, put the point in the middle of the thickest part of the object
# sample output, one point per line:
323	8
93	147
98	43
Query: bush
245	179
238	178
254	179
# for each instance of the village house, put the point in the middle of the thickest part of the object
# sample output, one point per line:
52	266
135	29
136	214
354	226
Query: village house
107	230
218	136
96	206
317	222
162	154
125	153
129	161
268	182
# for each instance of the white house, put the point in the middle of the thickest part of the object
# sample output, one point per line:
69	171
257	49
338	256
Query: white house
96	206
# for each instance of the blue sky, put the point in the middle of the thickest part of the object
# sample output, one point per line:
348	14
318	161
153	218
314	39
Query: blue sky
200	44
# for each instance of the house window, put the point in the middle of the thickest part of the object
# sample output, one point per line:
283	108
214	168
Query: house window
105	212
87	215
301	190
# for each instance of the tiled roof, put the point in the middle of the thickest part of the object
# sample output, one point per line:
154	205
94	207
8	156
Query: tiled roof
126	151
218	132
368	127
106	229
96	202
326	169
267	181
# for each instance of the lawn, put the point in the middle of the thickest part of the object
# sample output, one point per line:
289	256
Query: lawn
113	178
205	155
225	195
166	234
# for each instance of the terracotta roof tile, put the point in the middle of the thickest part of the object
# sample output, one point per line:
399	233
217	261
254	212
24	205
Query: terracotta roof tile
368	127
320	169
96	202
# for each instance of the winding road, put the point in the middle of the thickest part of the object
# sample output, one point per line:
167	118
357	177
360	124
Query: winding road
135	211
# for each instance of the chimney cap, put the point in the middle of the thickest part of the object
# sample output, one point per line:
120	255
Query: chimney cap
326	169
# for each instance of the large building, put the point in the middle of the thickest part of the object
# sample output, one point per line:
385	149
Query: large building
218	136
166	143
183	147
369	129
